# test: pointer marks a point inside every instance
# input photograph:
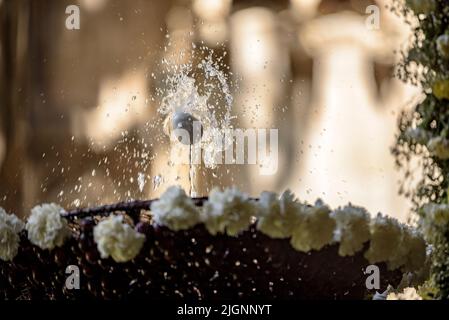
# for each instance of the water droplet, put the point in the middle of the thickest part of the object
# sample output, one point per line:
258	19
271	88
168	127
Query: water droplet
157	180
141	181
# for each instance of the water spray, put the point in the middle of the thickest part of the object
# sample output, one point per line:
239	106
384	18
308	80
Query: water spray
183	127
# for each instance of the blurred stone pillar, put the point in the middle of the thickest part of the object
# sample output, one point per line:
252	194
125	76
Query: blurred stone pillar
347	150
13	102
60	85
261	54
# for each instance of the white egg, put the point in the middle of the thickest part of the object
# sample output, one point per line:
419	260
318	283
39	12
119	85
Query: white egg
186	128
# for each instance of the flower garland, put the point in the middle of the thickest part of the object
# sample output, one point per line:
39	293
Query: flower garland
309	227
424	132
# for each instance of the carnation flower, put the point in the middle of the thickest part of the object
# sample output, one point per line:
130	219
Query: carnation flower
229	211
386	235
352	229
175	210
117	239
278	215
314	228
46	228
439	147
10	227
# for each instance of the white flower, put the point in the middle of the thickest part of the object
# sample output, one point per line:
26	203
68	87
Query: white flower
278	216
352	229
314	228
117	239
386	236
229	211
10	227
46	228
407	294
439	147
175	210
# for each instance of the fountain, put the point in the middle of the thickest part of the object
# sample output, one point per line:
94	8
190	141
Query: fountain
187	130
196	104
224	245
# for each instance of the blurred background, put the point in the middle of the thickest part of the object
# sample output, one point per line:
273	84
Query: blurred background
78	108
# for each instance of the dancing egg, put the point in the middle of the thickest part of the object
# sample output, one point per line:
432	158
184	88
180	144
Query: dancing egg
186	128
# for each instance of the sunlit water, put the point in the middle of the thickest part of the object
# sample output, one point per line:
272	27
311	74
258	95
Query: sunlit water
202	90
200	87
